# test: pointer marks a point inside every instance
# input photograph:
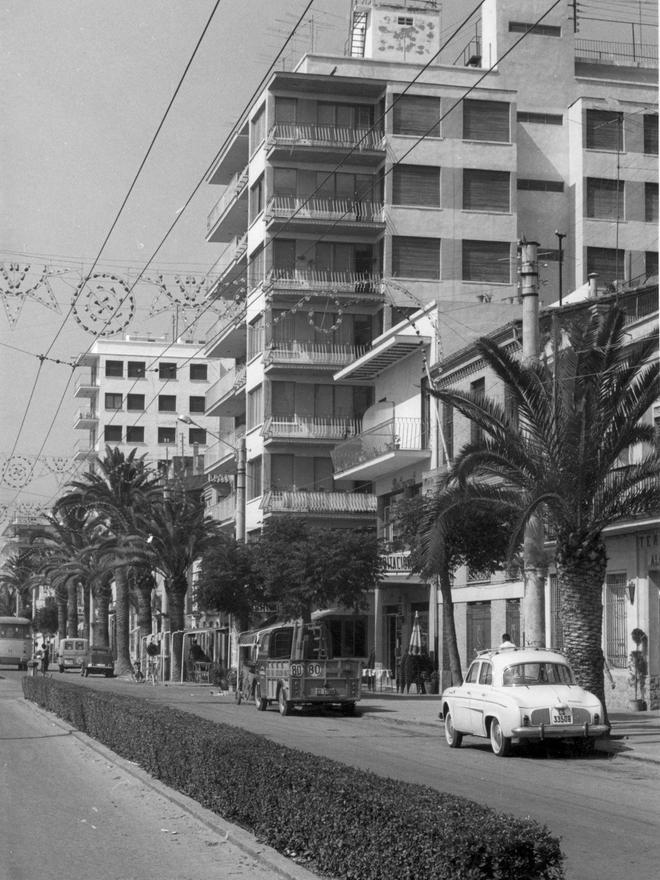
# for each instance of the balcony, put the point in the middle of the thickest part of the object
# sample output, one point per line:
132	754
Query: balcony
386	448
289	280
301	142
220	457
385	351
302	213
338	503
226	397
229	215
83	450
230	261
313	354
309	428
398	562
86	386
617	54
86	419
222	511
231	340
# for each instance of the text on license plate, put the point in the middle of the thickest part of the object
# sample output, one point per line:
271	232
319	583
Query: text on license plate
325	692
561	718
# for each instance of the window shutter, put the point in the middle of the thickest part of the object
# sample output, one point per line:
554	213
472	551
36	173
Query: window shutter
416	185
608	263
604	130
486	121
486	190
651	134
486	261
604	198
416	114
651	202
414	257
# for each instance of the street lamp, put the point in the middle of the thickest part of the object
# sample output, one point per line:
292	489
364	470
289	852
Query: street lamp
240	473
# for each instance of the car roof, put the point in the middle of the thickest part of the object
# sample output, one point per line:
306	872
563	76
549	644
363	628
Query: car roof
507	656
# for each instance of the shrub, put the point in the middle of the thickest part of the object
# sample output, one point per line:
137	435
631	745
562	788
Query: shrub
342	822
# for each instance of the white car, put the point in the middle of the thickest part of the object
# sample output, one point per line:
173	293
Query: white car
515	694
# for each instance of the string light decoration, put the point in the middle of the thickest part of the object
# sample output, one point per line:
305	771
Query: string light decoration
17	286
61	466
17	472
186	292
103	305
4	512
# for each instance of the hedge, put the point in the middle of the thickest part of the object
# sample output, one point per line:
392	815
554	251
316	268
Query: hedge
337	820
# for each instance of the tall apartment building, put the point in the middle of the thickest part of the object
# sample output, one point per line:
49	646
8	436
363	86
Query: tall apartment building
373	205
135	389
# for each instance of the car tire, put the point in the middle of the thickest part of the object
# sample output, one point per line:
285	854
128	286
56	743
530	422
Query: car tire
283	704
259	702
500	744
454	737
348	708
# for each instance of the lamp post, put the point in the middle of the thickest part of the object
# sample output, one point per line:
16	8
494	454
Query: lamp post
240	473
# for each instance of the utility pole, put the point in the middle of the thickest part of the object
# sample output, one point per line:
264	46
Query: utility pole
534	567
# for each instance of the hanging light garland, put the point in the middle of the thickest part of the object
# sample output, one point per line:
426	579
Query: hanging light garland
103	305
17	287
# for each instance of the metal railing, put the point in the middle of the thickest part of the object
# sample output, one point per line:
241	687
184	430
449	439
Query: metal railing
86	382
390	436
324	280
317	353
305	208
294	134
86	415
621	54
234	189
236	249
309	427
397	562
231	382
295	501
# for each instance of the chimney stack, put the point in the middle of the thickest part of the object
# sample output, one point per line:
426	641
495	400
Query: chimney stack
593	290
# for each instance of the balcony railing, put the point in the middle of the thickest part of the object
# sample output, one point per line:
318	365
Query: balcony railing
231	383
318	502
398	562
235	250
390	436
304	208
86	415
223	509
87	382
316	353
308	428
222	447
292	134
233	190
620	54
324	281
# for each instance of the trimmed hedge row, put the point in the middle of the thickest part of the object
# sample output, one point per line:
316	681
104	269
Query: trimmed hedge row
340	821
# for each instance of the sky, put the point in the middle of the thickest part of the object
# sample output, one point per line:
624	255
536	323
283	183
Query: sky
86	85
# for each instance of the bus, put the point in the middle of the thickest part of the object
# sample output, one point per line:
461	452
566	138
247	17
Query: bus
15	641
297	663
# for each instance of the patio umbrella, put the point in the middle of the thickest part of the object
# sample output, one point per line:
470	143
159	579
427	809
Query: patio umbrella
415	646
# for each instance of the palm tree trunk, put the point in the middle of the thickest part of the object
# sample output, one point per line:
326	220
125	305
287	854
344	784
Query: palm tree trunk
87	606
581	568
61	614
123	664
72	609
449	627
176	596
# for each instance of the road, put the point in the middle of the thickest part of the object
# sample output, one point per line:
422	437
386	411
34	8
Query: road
605	811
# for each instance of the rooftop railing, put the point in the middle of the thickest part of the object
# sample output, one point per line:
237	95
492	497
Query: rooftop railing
620	54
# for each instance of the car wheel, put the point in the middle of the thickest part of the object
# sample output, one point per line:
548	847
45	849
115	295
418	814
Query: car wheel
348	708
259	702
282	703
453	737
500	744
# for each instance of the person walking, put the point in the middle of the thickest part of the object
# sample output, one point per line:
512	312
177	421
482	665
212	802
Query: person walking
45	657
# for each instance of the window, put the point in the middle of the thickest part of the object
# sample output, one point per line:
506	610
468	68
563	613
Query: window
540	30
166	403
616	620
608	263
512	620
540	118
285	110
114	368
604	130
486	674
404	20
113	401
257	198
196	404
416	115
525	183
135	434
486	190
348	116
417	185
651	258
197	435
604	198
254	407
167	435
112	433
280	643
285	181
257	267
136	370
478	388
135	402
167	371
254	478
651	202
414	257
448	429
478	627
255	337
487	261
651	134
257	128
198	372
486	121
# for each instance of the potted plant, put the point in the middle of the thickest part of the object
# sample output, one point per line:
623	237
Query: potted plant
637	668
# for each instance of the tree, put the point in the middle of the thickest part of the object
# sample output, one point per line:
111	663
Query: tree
446	529
17	577
46	620
303	568
558	455
227	580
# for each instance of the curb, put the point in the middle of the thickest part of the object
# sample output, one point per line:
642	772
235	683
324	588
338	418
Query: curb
239	837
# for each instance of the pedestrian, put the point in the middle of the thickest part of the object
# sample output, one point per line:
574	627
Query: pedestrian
45	657
506	642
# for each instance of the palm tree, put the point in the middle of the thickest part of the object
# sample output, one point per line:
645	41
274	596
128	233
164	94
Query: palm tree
17	577
558	456
120	493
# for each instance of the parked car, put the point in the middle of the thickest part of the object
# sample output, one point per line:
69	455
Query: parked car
70	653
98	661
514	694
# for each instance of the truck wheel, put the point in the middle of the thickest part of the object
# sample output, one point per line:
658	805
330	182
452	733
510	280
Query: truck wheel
259	702
283	704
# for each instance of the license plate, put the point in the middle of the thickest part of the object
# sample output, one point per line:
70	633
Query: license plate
561	718
325	692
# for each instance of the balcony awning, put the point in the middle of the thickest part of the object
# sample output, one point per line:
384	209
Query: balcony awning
382	356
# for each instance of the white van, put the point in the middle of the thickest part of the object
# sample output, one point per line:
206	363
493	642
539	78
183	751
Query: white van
71	653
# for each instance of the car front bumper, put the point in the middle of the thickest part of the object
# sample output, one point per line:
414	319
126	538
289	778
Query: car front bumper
560	731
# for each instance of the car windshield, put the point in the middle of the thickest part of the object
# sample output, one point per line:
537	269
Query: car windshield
536	673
